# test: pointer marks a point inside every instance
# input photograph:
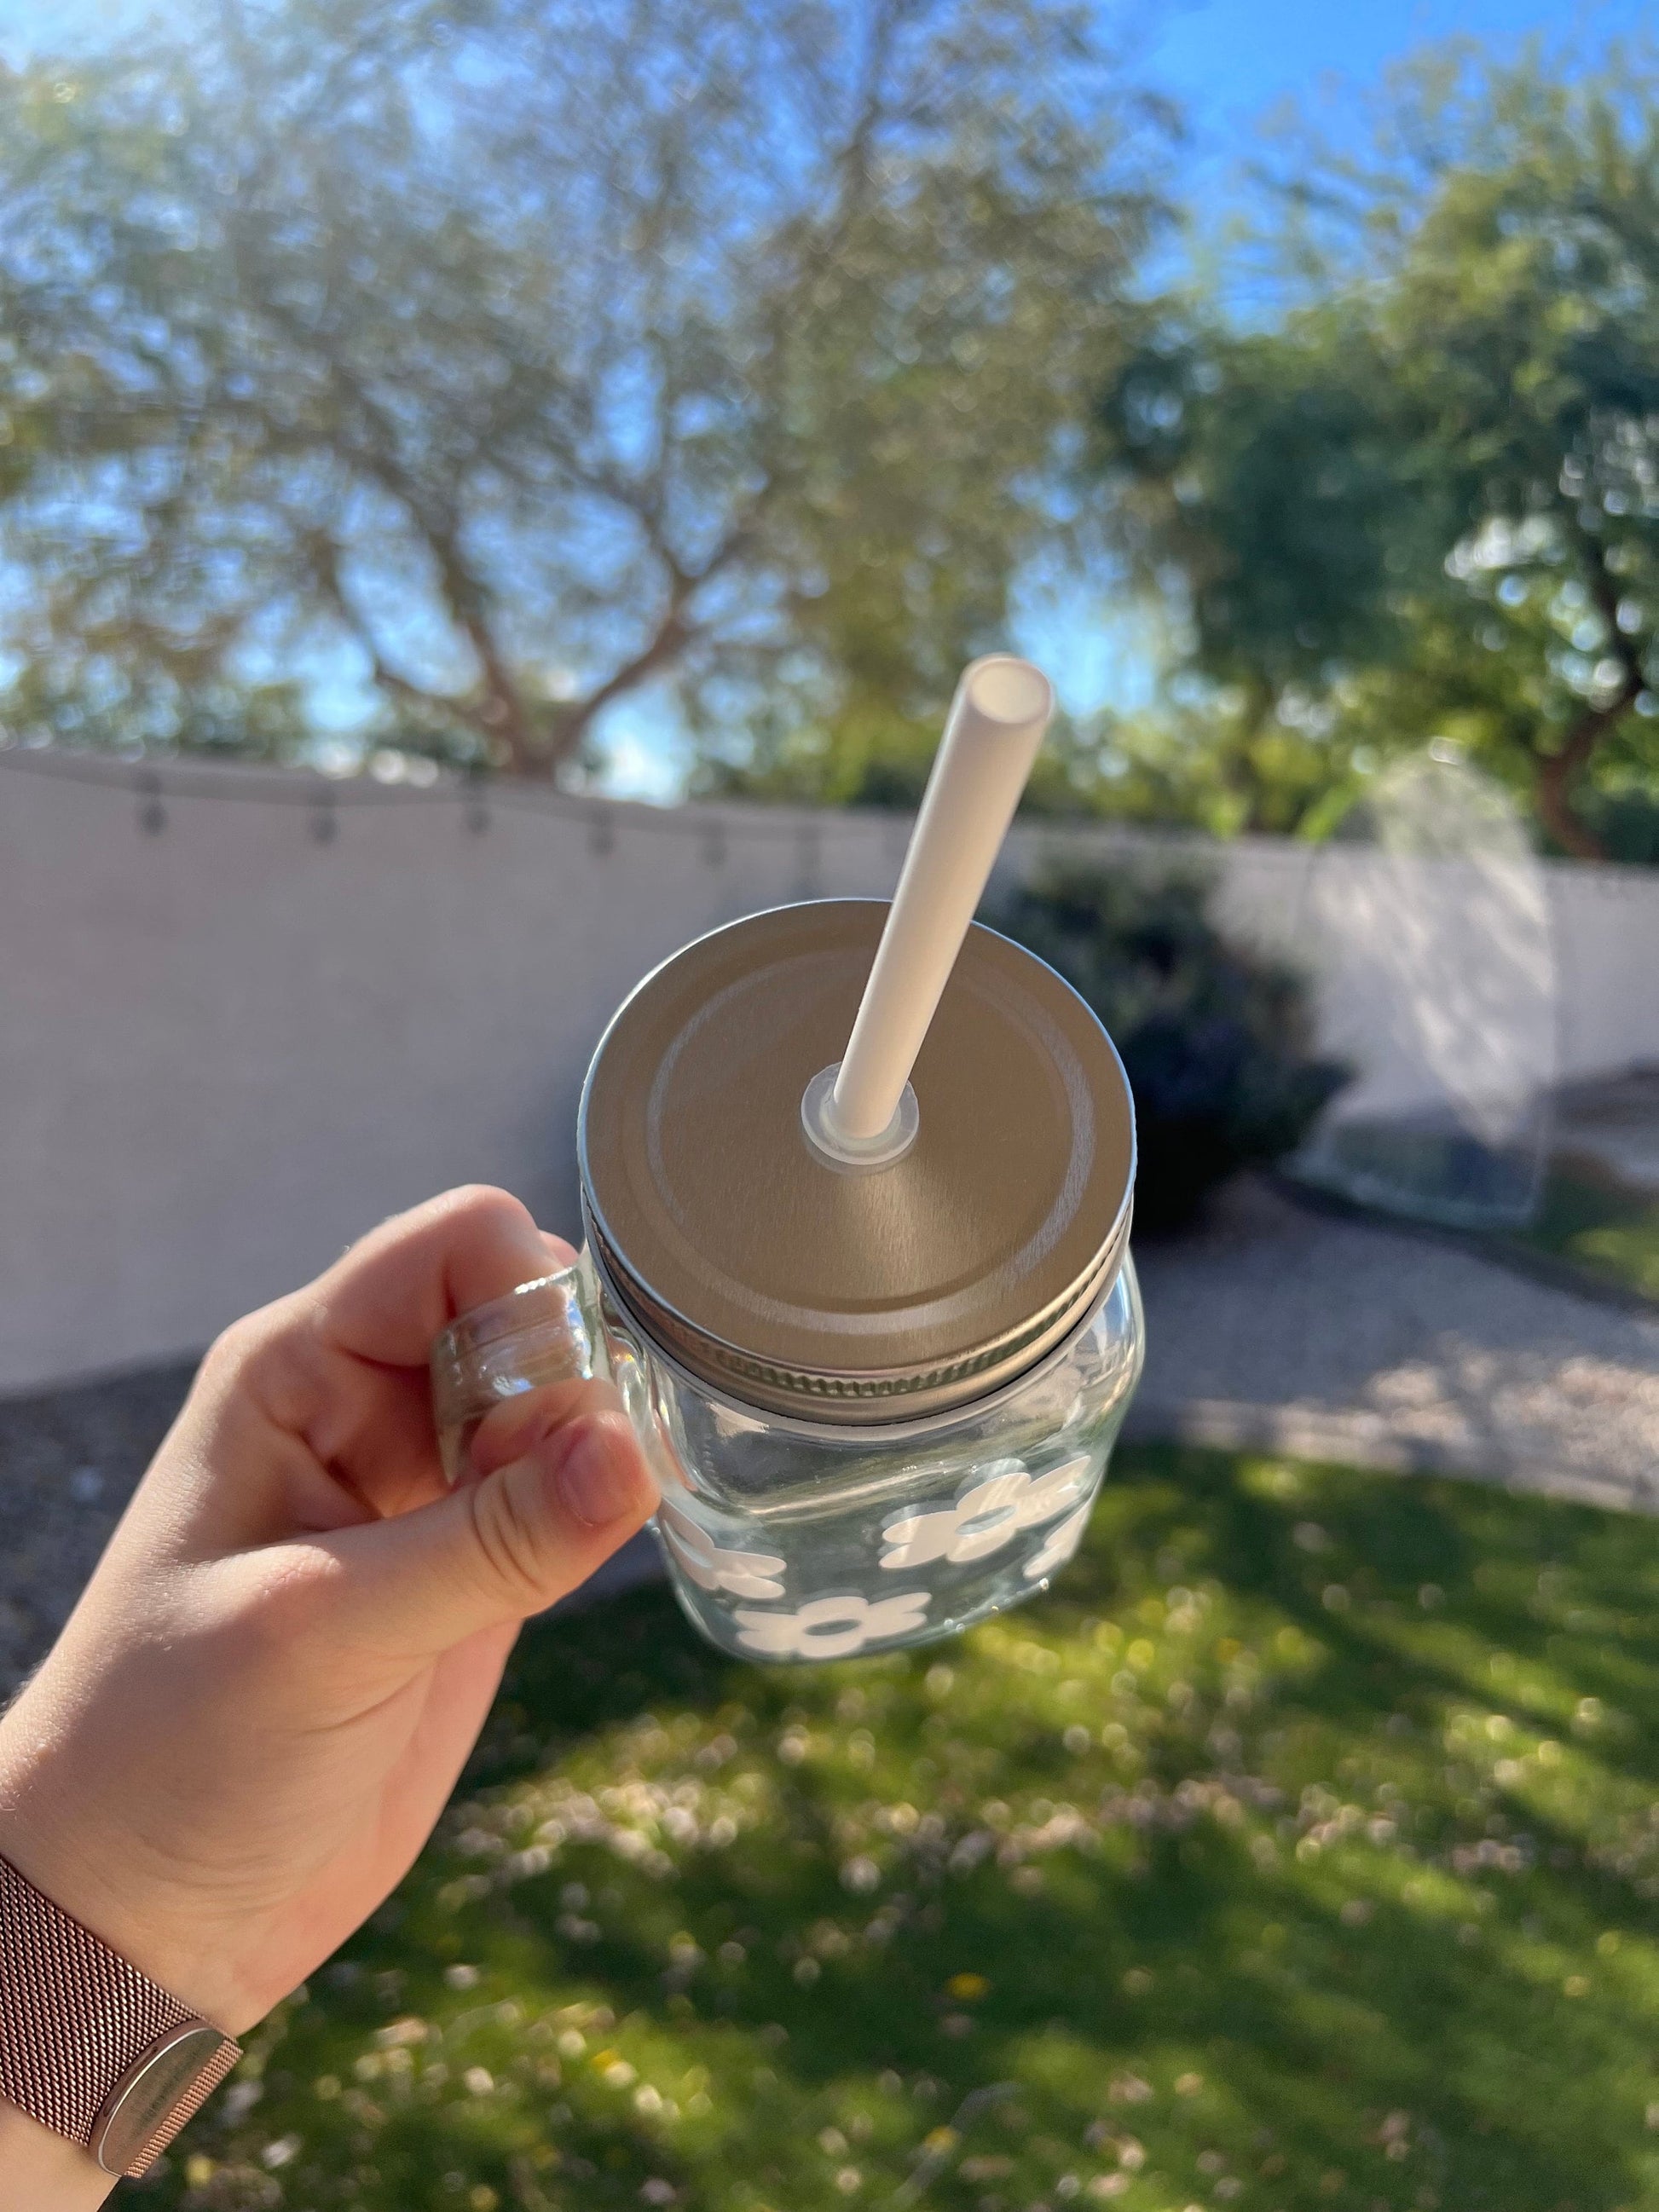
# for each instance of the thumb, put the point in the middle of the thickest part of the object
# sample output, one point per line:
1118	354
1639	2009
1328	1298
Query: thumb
512	1543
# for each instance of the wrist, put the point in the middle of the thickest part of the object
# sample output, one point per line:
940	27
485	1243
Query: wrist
44	2172
146	1927
91	2048
78	1852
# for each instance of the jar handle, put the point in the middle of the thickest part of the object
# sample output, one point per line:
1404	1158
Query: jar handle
551	1330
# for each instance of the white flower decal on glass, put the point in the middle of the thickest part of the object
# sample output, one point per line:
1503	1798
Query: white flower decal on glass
830	1627
744	1574
1058	1546
1003	1498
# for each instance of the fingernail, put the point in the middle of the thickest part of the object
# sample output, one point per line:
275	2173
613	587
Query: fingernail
595	1481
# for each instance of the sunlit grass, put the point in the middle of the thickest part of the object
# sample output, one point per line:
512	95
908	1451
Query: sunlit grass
1599	1225
1301	1850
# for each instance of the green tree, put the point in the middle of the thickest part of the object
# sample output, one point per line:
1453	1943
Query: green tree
530	355
1421	495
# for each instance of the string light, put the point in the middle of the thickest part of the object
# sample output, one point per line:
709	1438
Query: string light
152	810
153	783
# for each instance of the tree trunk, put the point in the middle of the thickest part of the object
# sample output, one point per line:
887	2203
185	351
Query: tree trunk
502	714
1556	772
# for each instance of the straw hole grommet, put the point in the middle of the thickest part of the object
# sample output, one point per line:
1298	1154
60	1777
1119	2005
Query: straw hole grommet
831	1144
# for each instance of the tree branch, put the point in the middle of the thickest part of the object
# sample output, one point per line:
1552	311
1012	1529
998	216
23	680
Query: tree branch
323	556
503	717
672	634
1558	771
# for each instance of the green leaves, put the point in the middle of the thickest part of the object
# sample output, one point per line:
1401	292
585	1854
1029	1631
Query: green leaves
1459	396
1216	1041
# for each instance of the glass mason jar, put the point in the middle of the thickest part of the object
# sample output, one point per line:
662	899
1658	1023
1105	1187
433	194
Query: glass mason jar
792	1538
877	1397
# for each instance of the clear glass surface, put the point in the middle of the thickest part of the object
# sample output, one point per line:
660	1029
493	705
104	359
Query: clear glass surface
789	1539
1438	984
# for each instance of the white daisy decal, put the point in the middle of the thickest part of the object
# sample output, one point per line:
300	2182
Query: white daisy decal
1058	1546
1002	1499
830	1627
744	1574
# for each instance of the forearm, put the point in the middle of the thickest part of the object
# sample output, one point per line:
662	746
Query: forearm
40	2172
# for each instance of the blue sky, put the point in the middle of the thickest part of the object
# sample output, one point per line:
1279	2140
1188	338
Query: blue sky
1231	64
1230	60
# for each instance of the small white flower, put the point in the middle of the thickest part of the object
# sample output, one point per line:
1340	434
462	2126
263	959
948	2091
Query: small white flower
745	1574
1058	1546
830	1627
1002	1499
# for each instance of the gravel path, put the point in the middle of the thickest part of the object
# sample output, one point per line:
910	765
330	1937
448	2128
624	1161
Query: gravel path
1282	1327
68	1461
1275	1327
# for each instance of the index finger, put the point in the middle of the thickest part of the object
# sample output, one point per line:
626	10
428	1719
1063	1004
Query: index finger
393	1291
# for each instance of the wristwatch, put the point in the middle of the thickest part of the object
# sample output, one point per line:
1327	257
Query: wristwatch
90	2047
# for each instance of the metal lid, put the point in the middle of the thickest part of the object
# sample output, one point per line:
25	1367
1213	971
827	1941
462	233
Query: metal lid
842	1294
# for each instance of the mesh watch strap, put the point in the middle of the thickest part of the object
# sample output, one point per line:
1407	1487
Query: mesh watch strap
81	2029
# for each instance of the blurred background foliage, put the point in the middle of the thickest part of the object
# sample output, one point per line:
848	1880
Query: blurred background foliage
437	377
1217	1042
1425	495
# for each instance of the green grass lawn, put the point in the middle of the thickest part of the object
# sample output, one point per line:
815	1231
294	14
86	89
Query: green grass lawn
1598	1225
1300	1851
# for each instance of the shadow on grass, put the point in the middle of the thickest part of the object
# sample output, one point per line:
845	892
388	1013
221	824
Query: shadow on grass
1297	1852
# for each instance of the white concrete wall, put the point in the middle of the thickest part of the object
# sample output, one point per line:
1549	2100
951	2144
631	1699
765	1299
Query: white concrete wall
244	1016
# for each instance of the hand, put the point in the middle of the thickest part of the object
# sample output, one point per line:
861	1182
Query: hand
264	1699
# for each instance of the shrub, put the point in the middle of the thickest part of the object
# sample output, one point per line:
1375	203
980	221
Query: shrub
1217	1041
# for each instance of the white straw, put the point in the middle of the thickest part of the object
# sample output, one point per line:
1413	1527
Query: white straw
996	723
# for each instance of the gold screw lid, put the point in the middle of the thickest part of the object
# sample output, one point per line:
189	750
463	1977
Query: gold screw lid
840	1293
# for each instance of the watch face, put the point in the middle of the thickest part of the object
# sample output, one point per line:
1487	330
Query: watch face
148	2094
